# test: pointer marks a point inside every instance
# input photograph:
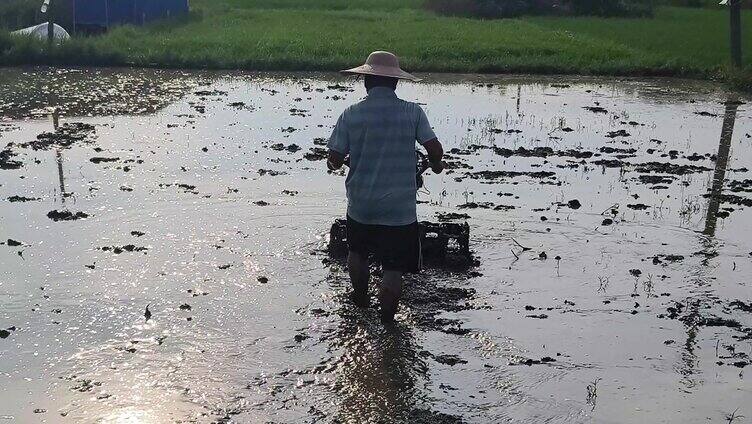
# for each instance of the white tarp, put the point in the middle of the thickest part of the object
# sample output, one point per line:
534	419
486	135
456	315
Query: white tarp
40	31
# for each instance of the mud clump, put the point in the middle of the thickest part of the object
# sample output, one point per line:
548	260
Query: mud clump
619	133
494	175
609	163
653	167
206	93
659	259
539	152
451	216
669	168
450	360
737	186
694	157
451	165
66	215
595	109
316	153
6	160
14	199
340	87
292	148
429	299
741	306
689	313
120	249
531	362
237	105
730	198
270	172
574	204
655	179
611	150
718	322
474	205
4	334
638	206
188	188
102	159
65	136
299	112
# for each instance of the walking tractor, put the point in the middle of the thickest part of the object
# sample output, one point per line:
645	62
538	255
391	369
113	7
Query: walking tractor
443	244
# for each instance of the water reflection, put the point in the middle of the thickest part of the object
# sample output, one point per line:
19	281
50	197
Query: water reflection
691	309
59	155
724	148
379	372
383	373
93	92
347	365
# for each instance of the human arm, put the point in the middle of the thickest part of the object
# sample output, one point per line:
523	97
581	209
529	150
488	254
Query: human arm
335	160
427	138
339	144
435	154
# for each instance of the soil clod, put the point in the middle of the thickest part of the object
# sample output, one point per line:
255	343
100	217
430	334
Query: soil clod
65	215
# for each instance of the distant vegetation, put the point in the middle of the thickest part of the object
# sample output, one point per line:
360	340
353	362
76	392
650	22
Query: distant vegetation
16	14
514	8
746	4
334	34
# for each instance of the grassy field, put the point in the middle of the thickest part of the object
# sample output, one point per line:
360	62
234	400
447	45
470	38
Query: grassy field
332	34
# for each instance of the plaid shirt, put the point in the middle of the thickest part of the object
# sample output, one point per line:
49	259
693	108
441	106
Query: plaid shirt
379	134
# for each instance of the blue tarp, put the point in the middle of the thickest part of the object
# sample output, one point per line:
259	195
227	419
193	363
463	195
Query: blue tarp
106	13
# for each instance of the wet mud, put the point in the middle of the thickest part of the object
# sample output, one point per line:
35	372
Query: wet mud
165	259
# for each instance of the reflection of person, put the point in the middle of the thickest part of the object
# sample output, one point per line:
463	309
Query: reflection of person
379	377
379	135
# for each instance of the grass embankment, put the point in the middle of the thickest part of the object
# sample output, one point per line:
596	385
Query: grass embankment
332	34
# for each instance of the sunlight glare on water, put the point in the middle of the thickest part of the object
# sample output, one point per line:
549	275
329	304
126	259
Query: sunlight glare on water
164	253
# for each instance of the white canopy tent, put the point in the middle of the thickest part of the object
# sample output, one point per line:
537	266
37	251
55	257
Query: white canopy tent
40	31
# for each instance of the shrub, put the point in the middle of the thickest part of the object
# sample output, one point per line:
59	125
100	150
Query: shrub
16	14
513	8
611	8
710	4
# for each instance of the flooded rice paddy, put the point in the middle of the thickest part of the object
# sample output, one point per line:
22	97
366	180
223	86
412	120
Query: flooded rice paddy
163	254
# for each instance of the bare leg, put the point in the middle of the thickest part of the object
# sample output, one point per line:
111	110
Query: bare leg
357	266
389	294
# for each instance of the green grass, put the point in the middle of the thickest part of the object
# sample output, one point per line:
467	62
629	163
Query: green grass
333	34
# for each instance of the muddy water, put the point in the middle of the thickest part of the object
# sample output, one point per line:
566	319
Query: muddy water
182	195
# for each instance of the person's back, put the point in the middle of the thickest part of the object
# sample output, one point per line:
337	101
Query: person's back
379	135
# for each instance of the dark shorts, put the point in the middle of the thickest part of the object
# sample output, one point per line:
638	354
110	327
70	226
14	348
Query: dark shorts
396	247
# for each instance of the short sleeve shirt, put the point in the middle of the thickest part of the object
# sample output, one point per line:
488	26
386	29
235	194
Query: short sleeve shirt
379	133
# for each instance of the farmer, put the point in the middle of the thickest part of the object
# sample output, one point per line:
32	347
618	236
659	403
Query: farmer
379	134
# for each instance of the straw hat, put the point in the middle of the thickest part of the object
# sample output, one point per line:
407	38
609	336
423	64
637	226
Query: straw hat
381	63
